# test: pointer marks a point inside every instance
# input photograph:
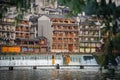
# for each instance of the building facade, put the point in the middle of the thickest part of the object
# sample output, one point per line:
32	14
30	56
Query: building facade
45	29
23	30
21	36
64	35
38	6
61	32
7	31
89	34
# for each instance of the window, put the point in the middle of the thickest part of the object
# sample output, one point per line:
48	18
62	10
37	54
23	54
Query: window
86	32
86	39
92	39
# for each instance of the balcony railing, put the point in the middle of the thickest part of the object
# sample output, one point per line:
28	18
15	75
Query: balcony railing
64	24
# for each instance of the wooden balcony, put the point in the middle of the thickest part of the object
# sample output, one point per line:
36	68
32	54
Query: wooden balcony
64	24
55	35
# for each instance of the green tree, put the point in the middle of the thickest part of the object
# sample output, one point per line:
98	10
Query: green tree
116	42
109	12
90	7
74	5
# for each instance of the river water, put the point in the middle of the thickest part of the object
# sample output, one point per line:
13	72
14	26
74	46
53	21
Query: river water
47	74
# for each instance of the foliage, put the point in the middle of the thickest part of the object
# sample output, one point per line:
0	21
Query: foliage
109	12
116	42
100	58
90	7
103	59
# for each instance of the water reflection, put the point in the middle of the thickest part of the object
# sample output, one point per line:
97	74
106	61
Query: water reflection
46	74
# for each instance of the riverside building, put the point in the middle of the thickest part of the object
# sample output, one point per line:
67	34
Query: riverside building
61	32
21	37
7	31
89	34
